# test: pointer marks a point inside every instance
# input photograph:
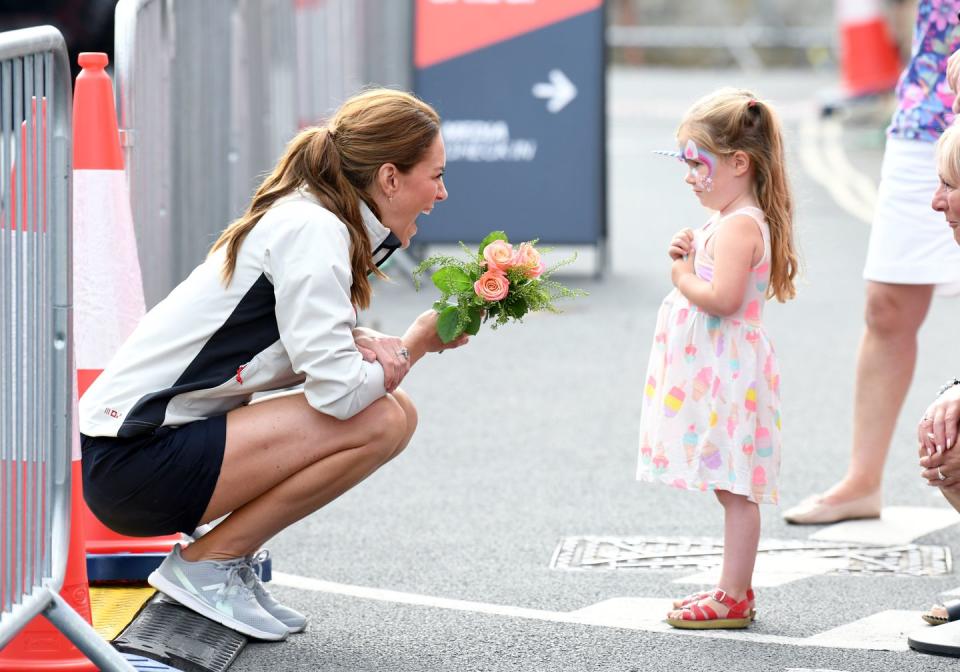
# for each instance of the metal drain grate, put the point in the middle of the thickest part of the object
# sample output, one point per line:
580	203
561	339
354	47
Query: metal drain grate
174	635
668	553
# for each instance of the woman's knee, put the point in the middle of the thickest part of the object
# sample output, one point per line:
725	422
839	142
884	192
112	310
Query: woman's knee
409	409
388	426
896	310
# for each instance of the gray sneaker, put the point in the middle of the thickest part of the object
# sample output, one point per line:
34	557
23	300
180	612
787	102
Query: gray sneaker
218	591
291	618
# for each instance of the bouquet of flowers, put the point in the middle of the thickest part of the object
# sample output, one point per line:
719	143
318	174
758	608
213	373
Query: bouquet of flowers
499	282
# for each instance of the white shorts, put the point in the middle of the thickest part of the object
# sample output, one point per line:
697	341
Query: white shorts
910	243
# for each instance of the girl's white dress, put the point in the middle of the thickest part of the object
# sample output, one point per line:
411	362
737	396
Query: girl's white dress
711	402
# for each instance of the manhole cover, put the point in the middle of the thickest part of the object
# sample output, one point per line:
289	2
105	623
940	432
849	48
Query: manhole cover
667	553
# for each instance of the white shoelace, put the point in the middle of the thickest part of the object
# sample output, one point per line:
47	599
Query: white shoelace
234	582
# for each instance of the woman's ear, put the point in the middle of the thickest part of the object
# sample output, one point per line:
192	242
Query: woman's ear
741	162
387	179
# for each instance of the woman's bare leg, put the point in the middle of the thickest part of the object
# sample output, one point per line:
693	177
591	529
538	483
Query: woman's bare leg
284	460
885	364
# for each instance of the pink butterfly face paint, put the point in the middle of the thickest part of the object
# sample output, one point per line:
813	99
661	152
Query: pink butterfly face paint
695	158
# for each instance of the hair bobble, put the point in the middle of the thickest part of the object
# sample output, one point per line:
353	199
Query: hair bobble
751	103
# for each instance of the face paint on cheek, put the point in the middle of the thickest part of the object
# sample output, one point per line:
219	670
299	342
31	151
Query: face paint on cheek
693	153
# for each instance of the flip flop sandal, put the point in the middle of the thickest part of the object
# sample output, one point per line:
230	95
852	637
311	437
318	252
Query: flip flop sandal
953	613
693	598
704	617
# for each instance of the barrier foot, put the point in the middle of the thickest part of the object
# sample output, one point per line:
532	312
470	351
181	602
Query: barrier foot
84	637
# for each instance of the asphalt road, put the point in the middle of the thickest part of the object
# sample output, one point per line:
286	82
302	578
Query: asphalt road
442	560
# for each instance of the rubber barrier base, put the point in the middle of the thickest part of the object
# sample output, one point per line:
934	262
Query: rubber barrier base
166	632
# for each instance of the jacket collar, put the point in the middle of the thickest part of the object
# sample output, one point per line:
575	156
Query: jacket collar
376	231
382	241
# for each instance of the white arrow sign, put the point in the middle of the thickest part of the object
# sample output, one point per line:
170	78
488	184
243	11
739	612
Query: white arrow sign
559	91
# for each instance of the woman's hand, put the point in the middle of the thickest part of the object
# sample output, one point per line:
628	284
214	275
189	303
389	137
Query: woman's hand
388	350
680	268
937	429
681	245
421	337
946	464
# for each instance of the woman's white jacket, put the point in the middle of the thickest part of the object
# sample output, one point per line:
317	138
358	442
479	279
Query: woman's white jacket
285	318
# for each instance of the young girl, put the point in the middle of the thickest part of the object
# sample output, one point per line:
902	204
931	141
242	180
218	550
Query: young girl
711	408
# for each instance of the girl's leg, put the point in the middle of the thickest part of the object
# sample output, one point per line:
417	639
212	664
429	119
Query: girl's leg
285	460
741	537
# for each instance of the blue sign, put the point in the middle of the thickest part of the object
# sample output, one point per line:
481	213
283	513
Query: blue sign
520	89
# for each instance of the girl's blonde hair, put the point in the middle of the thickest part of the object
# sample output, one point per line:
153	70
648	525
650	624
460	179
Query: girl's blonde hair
948	155
732	120
337	163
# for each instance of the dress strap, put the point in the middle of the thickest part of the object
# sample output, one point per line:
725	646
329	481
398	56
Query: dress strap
754	213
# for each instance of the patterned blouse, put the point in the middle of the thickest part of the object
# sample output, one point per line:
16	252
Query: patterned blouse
923	98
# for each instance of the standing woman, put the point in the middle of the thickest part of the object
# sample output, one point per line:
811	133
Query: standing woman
169	438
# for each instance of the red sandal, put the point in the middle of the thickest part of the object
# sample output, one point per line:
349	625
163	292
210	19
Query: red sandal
698	616
693	598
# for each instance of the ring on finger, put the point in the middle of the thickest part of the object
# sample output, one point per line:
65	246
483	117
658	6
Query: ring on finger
941	475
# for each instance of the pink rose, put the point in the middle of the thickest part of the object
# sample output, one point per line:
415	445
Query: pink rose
527	255
529	260
492	285
499	255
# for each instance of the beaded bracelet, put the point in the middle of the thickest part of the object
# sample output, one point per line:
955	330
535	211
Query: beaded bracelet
946	386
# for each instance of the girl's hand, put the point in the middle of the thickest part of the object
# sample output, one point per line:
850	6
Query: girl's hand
421	337
681	245
680	268
937	429
388	350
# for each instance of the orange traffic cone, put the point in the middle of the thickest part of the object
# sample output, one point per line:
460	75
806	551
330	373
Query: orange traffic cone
108	297
869	58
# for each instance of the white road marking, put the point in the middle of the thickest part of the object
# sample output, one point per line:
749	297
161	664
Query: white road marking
879	632
821	153
897	525
774	570
876	631
862	187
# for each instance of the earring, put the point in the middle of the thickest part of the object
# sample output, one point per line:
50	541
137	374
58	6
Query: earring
390	198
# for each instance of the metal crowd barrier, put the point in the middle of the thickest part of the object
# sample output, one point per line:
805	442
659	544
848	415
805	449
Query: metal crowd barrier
36	386
210	91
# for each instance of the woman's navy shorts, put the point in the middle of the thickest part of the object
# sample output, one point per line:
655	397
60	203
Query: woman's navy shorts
155	484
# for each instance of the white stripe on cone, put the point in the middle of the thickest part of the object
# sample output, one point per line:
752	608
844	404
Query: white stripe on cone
107	286
858	11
